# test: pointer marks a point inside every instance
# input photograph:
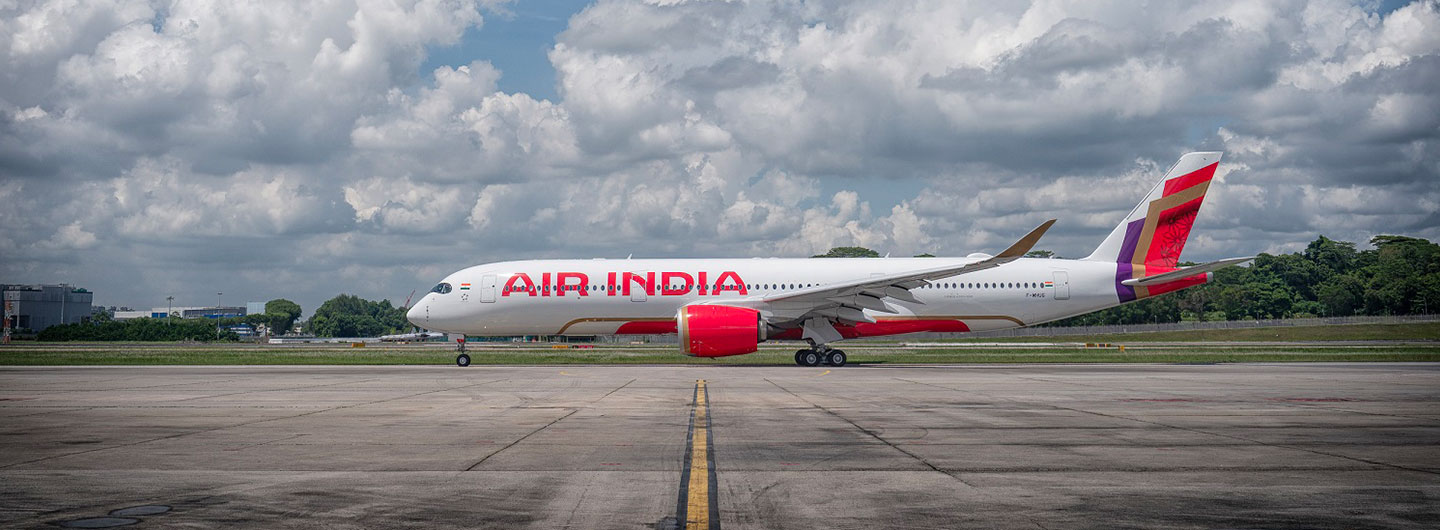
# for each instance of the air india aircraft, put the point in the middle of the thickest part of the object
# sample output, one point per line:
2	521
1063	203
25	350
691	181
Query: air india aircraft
726	307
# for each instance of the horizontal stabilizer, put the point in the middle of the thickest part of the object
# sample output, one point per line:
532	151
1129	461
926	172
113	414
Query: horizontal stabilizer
1185	272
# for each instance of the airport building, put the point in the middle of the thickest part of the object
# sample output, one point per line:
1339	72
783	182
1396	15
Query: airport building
36	307
184	312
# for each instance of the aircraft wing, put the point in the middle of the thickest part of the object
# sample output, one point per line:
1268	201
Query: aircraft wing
845	301
1185	272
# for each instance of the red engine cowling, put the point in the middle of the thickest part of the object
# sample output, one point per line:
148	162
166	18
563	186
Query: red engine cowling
718	330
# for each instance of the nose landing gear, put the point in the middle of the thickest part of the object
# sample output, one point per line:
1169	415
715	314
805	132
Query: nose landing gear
463	359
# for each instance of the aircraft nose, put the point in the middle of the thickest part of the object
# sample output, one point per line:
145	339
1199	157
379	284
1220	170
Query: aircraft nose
416	314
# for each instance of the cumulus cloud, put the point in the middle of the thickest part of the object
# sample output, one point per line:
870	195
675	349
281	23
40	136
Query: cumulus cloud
175	146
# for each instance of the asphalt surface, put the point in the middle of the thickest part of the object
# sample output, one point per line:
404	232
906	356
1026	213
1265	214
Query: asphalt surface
1078	446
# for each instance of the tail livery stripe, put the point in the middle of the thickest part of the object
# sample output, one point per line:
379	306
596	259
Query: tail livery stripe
1182	182
1149	241
1125	269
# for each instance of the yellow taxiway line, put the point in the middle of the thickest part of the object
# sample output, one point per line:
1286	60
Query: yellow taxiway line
697	508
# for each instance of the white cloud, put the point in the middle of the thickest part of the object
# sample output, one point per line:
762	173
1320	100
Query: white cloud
225	138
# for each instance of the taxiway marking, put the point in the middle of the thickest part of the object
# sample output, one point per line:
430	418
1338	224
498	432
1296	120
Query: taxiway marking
697	491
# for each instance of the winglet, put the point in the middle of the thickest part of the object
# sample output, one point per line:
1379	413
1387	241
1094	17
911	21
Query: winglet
1025	243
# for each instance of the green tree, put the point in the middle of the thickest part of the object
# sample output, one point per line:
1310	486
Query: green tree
848	252
1394	274
1341	295
1338	256
351	316
1265	297
925	255
1045	254
282	314
1298	273
1194	301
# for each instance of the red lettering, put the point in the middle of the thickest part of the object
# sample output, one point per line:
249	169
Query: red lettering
736	285
671	283
519	277
667	288
562	283
647	282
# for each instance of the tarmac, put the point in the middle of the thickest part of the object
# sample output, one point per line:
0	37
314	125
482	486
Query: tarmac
1344	445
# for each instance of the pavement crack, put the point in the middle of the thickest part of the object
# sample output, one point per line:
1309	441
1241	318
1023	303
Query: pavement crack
521	439
617	389
873	434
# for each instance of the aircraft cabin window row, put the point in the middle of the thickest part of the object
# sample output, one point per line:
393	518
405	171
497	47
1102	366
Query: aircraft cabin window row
445	288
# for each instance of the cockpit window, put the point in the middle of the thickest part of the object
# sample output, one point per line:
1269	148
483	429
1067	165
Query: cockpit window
443	288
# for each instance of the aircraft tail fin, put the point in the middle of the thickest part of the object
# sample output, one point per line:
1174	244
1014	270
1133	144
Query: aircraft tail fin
1149	241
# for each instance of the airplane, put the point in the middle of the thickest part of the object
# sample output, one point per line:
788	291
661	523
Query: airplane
722	307
418	336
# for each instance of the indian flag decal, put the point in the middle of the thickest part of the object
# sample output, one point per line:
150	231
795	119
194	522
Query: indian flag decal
1049	284
464	287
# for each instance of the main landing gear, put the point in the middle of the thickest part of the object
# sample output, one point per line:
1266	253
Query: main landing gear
816	357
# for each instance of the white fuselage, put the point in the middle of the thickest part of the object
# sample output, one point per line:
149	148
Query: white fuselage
593	297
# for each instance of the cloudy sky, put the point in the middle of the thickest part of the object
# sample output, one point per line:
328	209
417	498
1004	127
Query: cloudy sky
272	149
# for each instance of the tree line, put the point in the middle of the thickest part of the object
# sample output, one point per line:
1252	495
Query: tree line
1400	276
342	316
279	316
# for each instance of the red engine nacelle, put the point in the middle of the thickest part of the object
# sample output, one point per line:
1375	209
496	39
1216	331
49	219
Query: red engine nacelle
718	330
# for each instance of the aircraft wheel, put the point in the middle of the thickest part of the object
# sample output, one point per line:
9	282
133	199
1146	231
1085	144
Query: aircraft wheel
836	358
811	358
462	360
800	357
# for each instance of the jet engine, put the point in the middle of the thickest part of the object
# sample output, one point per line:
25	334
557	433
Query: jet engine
719	330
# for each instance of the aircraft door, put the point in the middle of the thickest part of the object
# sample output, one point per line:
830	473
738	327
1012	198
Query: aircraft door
487	288
1062	285
637	290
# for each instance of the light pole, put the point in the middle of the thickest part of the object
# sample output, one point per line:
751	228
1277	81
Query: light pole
217	315
169	301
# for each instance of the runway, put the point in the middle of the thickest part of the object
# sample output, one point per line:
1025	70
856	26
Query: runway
992	446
